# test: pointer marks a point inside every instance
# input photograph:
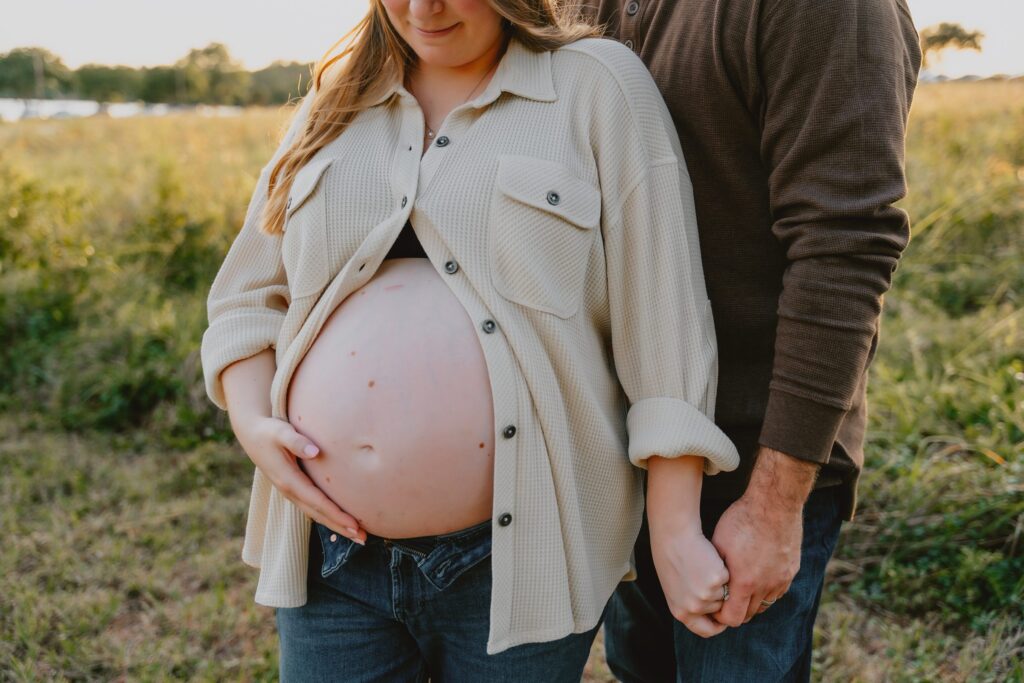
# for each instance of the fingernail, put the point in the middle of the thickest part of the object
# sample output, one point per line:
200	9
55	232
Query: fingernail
352	531
310	450
358	541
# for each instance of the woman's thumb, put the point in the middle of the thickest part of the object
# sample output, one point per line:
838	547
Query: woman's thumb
301	446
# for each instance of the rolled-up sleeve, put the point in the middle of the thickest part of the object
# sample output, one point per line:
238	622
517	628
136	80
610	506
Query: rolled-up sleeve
660	320
663	336
249	297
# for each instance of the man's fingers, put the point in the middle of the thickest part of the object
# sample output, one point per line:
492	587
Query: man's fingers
713	606
734	610
754	606
771	597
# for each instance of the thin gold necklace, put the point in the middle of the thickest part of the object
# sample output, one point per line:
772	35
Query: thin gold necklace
430	131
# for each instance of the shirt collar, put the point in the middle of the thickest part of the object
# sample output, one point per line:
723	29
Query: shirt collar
521	71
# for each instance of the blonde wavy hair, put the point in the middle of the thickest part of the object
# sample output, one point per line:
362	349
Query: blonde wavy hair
375	57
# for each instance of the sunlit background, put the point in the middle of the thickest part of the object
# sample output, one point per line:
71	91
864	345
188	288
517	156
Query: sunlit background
258	32
124	490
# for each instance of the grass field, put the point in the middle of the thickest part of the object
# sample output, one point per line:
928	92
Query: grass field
123	496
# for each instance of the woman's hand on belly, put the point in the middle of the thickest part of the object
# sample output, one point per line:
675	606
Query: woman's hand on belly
395	391
273	446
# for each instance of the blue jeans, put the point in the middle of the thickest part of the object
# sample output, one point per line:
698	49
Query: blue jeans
644	643
408	609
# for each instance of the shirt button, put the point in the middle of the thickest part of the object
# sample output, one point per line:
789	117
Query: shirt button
505	519
629	43
442	141
509	432
488	326
404	201
450	267
553	198
632	8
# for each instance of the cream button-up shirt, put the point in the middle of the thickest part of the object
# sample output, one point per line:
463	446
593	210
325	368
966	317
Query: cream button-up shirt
561	195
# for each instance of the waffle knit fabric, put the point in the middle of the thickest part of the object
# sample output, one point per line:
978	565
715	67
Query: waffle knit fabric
562	193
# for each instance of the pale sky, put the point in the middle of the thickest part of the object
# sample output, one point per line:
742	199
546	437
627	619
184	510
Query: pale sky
257	32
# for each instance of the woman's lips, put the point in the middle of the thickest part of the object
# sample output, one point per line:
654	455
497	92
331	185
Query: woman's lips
436	34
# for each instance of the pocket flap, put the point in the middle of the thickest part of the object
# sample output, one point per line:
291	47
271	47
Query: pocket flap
306	179
550	186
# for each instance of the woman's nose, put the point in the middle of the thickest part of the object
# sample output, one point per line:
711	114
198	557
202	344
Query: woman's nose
424	9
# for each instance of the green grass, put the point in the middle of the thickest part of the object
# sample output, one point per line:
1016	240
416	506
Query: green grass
124	496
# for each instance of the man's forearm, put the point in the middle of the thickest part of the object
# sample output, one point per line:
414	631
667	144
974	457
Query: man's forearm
781	482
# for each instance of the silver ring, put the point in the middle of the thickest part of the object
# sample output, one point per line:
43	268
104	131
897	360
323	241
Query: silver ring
725	592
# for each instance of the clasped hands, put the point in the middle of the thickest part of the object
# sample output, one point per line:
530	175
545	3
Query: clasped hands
755	547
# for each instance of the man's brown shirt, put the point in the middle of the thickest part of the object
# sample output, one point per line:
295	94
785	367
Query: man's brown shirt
792	116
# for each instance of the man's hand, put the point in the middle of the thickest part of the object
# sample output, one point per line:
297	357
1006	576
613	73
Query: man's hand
759	536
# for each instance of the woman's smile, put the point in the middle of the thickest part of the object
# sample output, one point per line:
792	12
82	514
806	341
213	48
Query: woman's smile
436	34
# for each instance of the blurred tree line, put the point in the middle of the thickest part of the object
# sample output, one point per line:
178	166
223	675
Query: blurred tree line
210	76
206	75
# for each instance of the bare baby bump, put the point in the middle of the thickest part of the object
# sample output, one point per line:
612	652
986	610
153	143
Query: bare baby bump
396	394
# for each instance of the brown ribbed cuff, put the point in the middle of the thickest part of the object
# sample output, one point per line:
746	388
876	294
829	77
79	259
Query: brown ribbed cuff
800	427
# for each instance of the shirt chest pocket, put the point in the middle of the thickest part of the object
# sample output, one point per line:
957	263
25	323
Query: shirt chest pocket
541	232
304	244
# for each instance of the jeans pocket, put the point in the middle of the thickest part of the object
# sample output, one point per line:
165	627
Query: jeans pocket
448	562
336	549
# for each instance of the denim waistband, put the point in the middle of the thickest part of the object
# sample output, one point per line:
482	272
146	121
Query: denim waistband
441	557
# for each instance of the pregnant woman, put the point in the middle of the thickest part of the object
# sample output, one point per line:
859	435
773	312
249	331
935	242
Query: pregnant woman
464	318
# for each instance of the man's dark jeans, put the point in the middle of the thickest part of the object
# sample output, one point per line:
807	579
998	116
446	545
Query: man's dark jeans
644	643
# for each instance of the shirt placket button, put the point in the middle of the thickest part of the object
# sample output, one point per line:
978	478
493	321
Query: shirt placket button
489	326
450	267
442	141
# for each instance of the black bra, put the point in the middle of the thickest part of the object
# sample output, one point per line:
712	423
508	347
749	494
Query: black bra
406	246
